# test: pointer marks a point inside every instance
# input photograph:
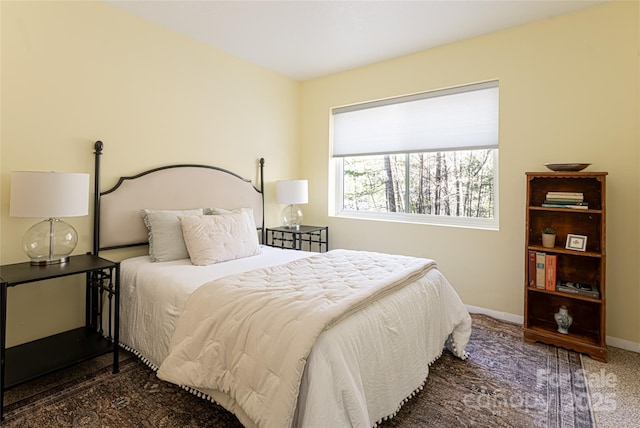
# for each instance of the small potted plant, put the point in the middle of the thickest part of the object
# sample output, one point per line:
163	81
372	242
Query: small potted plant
548	237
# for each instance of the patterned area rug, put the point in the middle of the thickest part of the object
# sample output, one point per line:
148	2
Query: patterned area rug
505	383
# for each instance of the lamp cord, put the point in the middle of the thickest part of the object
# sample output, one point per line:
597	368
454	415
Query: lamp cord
51	220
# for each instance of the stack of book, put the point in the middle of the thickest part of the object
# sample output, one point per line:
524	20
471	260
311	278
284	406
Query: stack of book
578	288
574	200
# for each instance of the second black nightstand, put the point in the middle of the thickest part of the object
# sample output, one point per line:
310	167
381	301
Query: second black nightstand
308	238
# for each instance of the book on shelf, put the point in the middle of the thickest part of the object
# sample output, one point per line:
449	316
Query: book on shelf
581	289
564	201
551	262
531	281
570	206
540	270
565	195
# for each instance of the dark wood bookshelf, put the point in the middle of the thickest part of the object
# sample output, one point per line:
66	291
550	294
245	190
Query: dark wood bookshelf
587	333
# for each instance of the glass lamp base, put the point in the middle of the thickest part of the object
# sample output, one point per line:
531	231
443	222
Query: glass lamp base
50	242
292	217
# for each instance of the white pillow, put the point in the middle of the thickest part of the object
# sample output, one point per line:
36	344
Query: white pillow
218	238
217	211
222	211
165	235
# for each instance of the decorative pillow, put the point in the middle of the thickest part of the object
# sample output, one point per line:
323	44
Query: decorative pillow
217	211
218	238
165	235
222	211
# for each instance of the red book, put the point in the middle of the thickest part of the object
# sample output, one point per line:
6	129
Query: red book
532	269
551	262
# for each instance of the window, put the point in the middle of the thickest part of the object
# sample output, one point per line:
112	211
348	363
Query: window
430	157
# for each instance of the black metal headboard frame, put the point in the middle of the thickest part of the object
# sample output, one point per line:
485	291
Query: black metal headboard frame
98	146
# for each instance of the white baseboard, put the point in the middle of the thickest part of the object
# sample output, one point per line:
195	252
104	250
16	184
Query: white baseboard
504	316
623	344
519	319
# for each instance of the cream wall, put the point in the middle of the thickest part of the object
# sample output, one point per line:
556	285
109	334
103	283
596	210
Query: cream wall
76	72
568	93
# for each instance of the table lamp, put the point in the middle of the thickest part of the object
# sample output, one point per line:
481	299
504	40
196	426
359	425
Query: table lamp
292	192
50	195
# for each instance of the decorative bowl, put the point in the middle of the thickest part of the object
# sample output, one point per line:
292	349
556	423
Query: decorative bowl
566	166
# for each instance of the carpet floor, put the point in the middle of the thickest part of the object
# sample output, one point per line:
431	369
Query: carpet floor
506	382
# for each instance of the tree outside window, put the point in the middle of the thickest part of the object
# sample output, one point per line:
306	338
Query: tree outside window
425	156
458	183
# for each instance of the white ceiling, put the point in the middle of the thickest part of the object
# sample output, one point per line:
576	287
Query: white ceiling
306	39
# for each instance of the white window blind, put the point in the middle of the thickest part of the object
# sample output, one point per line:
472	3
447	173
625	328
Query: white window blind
461	118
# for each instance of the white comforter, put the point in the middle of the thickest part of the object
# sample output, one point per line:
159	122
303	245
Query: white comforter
358	371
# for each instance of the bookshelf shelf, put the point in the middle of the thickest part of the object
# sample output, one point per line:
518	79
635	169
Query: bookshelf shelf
573	296
567	210
578	338
562	250
587	333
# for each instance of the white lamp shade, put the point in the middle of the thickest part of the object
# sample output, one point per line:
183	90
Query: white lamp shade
292	192
49	194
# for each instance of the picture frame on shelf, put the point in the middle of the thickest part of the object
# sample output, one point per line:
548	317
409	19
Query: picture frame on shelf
576	242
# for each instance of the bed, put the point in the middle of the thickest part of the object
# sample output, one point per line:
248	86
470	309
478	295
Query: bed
278	337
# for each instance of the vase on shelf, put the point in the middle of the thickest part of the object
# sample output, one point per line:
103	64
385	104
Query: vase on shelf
563	319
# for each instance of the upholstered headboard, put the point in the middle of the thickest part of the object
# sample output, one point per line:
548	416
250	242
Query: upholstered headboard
117	219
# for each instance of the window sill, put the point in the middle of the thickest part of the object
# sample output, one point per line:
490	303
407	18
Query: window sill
433	220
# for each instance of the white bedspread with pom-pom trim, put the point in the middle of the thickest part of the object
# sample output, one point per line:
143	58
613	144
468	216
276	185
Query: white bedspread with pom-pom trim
264	374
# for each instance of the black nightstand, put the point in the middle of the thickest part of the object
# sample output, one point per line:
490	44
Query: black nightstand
28	361
309	238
